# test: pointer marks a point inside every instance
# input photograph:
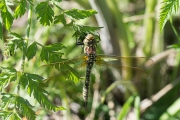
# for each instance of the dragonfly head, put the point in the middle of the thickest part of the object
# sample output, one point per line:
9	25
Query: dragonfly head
89	40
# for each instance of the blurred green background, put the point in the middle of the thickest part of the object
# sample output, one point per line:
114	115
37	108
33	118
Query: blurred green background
130	28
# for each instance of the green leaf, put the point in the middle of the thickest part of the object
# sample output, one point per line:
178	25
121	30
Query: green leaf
86	29
60	18
16	36
82	31
20	9
14	116
126	107
55	47
79	14
7	75
9	115
35	86
61	72
5	113
6	15
16	42
1	31
31	51
45	13
73	74
166	11
176	46
20	104
44	54
52	53
25	107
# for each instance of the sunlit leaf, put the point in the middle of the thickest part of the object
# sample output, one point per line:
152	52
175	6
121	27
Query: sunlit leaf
176	46
44	54
4	113
20	9
6	15
126	107
55	47
10	115
86	29
20	104
79	14
15	35
14	116
34	85
52	53
169	6
31	51
60	18
45	13
7	75
73	74
25	107
16	42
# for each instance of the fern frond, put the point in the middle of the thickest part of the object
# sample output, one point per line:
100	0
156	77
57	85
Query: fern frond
25	108
9	115
7	75
52	53
21	105
35	86
169	6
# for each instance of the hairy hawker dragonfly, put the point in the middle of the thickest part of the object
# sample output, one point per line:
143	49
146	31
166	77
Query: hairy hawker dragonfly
123	66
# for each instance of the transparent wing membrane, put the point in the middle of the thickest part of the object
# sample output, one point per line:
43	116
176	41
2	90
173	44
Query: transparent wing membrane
67	70
123	61
124	67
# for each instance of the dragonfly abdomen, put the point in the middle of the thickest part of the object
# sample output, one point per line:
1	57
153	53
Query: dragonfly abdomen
89	66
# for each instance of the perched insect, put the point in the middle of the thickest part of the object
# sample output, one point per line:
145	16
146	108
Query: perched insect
124	66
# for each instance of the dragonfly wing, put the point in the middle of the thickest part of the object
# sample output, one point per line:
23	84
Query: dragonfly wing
123	68
69	69
124	61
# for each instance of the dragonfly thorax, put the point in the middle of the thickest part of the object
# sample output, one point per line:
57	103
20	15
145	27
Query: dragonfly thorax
89	45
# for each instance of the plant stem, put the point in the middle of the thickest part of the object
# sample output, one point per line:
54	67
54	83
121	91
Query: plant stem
27	35
29	21
175	32
148	26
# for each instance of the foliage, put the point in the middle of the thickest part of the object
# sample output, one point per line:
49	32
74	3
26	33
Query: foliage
168	7
127	107
7	75
18	87
21	105
14	106
7	15
50	53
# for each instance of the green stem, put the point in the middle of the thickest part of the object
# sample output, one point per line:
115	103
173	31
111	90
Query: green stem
26	40
122	29
175	72
27	35
149	26
29	21
171	22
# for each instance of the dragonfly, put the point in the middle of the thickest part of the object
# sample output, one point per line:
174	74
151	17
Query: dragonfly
123	67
